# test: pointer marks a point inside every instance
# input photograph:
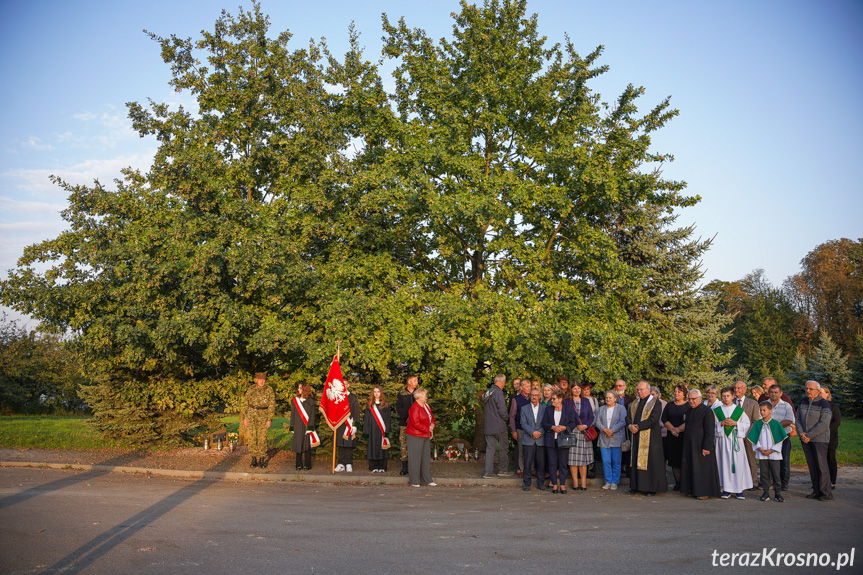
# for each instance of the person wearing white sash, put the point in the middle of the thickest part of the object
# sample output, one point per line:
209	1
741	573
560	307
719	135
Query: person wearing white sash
732	425
376	430
303	410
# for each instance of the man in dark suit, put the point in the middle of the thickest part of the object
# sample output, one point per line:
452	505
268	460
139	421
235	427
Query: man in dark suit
532	440
750	408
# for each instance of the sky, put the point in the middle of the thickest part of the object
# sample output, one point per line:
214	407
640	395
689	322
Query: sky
769	131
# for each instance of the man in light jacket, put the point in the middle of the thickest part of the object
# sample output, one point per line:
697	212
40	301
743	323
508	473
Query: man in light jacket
496	418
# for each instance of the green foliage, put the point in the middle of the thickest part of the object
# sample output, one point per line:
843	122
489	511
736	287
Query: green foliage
37	371
828	292
828	366
763	334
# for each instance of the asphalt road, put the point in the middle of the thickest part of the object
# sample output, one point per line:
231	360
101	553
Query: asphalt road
54	521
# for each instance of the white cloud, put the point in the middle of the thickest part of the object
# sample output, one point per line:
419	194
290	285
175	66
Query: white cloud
35	143
10	208
36	182
103	131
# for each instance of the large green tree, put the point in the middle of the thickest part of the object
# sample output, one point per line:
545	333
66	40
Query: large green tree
490	214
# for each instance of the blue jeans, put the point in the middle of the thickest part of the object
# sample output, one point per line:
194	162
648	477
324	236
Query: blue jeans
611	463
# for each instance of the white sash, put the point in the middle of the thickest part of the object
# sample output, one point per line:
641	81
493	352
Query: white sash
380	421
303	415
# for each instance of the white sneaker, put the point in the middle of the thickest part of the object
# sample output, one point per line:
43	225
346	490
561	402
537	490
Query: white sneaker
432	484
613	486
349	468
414	485
607	486
340	468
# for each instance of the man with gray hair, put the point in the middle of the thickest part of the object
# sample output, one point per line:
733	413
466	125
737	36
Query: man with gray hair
813	427
496	417
699	472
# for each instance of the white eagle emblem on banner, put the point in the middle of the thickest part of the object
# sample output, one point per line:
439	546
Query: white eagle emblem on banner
336	391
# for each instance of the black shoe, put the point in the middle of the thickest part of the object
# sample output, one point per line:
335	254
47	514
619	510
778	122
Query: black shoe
753	489
813	495
764	497
676	487
262	463
826	497
254	462
404	470
778	498
525	488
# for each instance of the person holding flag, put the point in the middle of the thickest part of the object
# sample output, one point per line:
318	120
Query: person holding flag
376	429
346	433
303	425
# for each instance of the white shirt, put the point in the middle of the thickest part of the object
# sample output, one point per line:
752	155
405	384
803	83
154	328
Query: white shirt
557	416
535	412
609	411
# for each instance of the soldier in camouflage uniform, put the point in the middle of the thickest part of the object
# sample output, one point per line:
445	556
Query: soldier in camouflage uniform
259	406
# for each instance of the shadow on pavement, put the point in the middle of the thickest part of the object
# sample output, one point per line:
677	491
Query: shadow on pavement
119	461
94	549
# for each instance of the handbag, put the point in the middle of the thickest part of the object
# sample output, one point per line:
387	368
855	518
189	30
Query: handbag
566	439
626	445
591	433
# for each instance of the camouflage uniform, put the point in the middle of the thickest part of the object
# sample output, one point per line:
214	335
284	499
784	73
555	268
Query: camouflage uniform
259	406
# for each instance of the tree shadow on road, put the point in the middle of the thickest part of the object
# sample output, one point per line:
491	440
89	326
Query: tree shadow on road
88	553
110	464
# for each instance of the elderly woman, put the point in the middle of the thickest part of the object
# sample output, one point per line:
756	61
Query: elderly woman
674	418
611	424
558	418
712	399
581	455
418	436
833	444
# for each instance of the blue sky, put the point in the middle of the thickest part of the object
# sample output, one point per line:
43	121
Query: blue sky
769	132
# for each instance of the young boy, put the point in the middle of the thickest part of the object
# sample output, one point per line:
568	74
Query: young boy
766	437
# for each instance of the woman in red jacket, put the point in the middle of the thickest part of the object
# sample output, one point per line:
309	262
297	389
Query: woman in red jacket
418	436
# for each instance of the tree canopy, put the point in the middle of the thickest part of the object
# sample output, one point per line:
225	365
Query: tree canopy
490	214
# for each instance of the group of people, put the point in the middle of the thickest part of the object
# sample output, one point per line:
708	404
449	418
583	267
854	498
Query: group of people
718	446
721	445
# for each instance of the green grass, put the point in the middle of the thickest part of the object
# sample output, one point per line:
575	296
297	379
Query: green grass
278	435
52	432
850	450
72	432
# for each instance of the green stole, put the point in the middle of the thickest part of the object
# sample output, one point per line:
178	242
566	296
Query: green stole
776	431
735	443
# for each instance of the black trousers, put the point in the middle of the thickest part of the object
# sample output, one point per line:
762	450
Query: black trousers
769	474
819	472
534	460
346	455
304	459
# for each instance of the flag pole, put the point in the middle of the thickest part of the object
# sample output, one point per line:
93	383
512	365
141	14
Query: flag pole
338	357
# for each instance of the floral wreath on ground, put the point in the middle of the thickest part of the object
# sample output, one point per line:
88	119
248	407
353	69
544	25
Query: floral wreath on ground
452	452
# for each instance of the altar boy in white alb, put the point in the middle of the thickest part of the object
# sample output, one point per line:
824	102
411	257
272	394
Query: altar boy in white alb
766	437
732	425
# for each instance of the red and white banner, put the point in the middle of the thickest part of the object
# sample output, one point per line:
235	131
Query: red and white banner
334	401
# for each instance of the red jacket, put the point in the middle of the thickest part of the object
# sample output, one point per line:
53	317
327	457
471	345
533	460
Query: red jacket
419	421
